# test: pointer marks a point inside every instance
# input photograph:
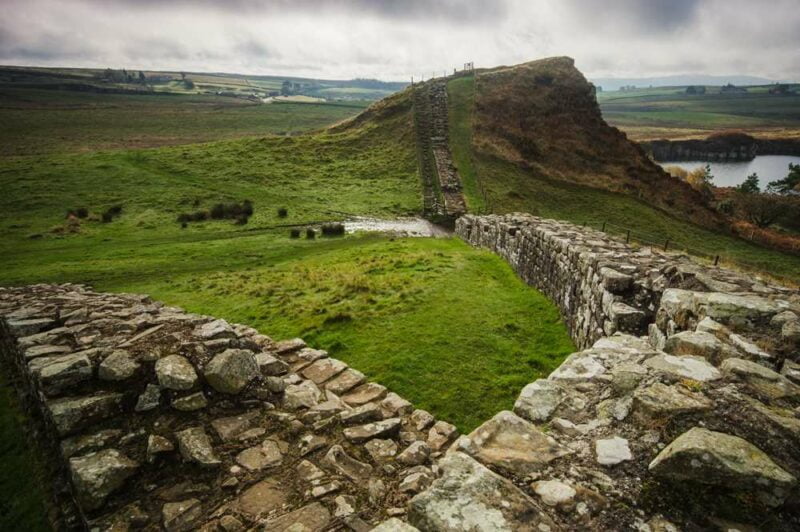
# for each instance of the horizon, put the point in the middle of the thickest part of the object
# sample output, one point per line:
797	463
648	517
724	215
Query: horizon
393	41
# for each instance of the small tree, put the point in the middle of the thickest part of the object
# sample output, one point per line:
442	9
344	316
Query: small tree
142	78
750	185
788	184
761	209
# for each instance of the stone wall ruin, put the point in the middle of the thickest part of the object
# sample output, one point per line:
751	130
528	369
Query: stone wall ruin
678	412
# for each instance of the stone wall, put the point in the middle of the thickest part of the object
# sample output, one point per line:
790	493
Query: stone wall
690	426
161	419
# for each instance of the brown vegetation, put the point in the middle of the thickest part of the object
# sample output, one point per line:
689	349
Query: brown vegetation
543	115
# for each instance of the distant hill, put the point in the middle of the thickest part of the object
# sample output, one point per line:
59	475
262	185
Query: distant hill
613	84
118	80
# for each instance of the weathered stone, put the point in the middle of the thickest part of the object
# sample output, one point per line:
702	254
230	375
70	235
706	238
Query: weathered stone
421	419
394	525
74	413
59	373
394	405
415	454
378	429
440	435
660	400
31	326
117	366
614	281
707	457
699	344
97	475
323	370
729	308
361	414
232	370
46	350
791	370
416	480
538	400
346	465
790	332
614	408
468	496
381	450
174	372
554	492
228	523
89	442
311	442
149	399
684	367
263	456
345	381
311	518
195	446
214	330
364	394
760	379
270	366
190	403
303	395
626	377
229	428
308	471
612	451
181	516
156	445
262	498
512	444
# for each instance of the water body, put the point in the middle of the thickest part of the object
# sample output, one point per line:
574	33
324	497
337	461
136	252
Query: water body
401	227
768	167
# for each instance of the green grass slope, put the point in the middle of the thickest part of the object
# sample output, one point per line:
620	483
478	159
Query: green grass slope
510	185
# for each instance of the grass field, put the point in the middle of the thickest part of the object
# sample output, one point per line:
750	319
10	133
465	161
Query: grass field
460	96
47	121
668	112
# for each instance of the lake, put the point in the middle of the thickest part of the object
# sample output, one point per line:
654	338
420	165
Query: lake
768	167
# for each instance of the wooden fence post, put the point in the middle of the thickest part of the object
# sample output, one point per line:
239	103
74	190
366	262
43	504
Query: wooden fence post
628	236
666	245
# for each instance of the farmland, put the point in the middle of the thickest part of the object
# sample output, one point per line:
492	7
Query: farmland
668	112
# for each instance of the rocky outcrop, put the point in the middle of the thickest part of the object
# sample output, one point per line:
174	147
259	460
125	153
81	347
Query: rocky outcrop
160	419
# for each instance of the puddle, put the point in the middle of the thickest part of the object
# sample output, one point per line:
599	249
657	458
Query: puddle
415	227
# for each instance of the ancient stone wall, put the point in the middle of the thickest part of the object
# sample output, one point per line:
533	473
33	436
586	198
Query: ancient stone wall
678	413
443	196
692	426
161	419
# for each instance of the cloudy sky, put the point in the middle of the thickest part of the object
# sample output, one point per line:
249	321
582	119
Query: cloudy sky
395	39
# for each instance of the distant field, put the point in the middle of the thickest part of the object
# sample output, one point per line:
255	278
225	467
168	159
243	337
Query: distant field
47	121
668	112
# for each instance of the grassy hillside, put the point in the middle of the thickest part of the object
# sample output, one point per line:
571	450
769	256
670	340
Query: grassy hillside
668	112
392	308
48	121
542	184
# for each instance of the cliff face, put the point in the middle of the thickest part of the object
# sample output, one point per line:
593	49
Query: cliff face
543	115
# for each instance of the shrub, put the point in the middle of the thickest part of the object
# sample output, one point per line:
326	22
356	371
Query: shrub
311	234
294	233
184	225
333	229
80	212
111	213
218	211
283	212
241	219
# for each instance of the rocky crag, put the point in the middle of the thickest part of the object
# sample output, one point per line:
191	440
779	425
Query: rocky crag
443	197
719	148
678	413
159	419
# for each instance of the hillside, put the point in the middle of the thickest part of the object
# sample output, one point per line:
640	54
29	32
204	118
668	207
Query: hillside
543	116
